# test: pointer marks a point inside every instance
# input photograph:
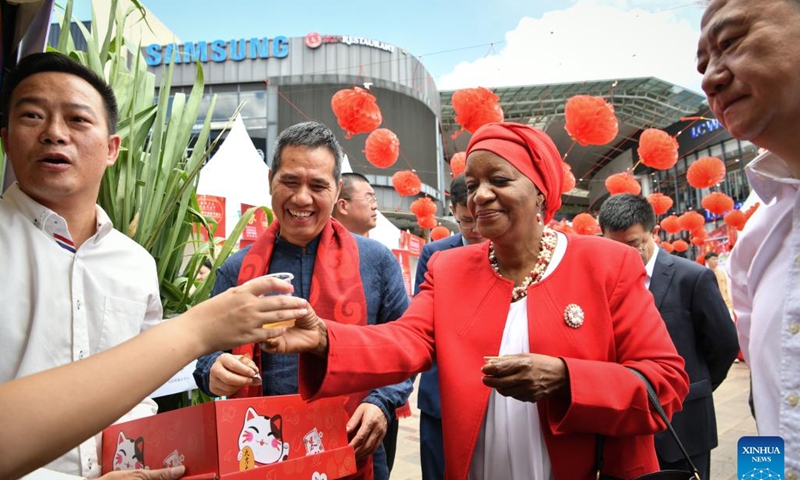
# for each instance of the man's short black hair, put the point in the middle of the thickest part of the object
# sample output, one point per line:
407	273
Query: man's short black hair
624	211
458	191
348	179
58	63
309	135
711	255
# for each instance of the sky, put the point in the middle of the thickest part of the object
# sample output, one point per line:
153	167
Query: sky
475	43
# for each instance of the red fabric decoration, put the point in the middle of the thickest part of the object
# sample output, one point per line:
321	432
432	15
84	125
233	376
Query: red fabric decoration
705	172
671	225
476	107
439	233
622	183
423	207
667	247
569	178
356	111
691	221
561	226
382	148
661	203
680	246
406	183
458	163
717	203
427	222
529	150
590	120
658	149
735	219
585	224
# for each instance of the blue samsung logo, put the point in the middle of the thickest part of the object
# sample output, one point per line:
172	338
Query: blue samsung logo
700	129
217	51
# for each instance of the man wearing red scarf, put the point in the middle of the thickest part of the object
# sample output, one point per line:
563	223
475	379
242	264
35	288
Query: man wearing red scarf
350	279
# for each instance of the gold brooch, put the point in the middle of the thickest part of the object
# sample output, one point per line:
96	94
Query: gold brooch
573	315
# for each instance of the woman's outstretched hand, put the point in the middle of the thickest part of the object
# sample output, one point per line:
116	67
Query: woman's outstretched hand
309	334
528	377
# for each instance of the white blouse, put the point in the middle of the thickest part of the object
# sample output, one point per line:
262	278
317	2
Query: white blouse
511	445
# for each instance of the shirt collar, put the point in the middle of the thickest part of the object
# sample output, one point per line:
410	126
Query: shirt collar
49	221
651	264
767	174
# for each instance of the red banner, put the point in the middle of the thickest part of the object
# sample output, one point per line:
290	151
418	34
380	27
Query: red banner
214	207
405	266
255	227
412	243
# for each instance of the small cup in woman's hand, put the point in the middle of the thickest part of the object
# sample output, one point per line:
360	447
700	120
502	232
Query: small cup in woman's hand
286	277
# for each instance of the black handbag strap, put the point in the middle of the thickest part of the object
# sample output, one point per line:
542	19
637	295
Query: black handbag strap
651	395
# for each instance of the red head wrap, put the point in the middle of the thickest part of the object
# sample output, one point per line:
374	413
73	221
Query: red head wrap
531	151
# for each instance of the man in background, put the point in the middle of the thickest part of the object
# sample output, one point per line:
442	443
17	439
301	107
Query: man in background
712	262
357	207
431	448
689	301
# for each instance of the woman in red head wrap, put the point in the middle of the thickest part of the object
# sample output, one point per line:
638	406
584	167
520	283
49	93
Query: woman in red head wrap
534	332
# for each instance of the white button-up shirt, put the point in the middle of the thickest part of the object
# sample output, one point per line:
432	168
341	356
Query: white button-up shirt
60	305
765	278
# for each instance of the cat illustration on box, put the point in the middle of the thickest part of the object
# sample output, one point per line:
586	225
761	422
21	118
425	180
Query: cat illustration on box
130	453
261	440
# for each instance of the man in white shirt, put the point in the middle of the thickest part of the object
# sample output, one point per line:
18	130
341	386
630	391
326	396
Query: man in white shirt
75	286
749	60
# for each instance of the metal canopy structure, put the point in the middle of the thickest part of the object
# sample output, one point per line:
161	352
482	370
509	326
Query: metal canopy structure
639	103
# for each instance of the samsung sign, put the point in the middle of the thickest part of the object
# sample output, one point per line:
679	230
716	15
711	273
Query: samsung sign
217	51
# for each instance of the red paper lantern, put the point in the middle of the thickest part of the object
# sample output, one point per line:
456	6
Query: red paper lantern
427	222
382	148
569	178
691	221
705	172
735	219
699	241
622	183
406	183
423	207
356	111
680	246
476	107
458	163
590	120
671	225
667	247
750	211
717	203
701	260
439	233
585	224
658	149
661	203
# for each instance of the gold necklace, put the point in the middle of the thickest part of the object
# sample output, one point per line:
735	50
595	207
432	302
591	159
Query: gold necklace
547	245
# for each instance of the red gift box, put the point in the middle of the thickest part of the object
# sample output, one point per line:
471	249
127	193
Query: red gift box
264	437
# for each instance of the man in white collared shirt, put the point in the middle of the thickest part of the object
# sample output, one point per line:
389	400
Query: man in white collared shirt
749	60
75	286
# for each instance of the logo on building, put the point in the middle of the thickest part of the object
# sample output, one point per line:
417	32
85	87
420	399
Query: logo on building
705	127
314	40
760	458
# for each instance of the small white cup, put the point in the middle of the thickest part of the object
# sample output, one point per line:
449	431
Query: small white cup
286	277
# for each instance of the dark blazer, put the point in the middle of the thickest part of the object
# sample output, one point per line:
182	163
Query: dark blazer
428	393
687	296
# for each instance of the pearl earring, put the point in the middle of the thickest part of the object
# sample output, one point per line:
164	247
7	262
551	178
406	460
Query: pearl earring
539	218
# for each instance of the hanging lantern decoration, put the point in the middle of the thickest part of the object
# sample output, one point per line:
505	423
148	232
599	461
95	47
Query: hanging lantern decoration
701	260
717	203
476	107
427	222
585	224
667	247
562	227
699	236
658	149
622	183
458	163
569	178
661	203
423	207
406	183
439	233
705	172
590	120
671	225
691	221
356	111
382	148
750	211
680	246
735	219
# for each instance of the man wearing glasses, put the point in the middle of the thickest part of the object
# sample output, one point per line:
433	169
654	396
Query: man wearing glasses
357	207
431	449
